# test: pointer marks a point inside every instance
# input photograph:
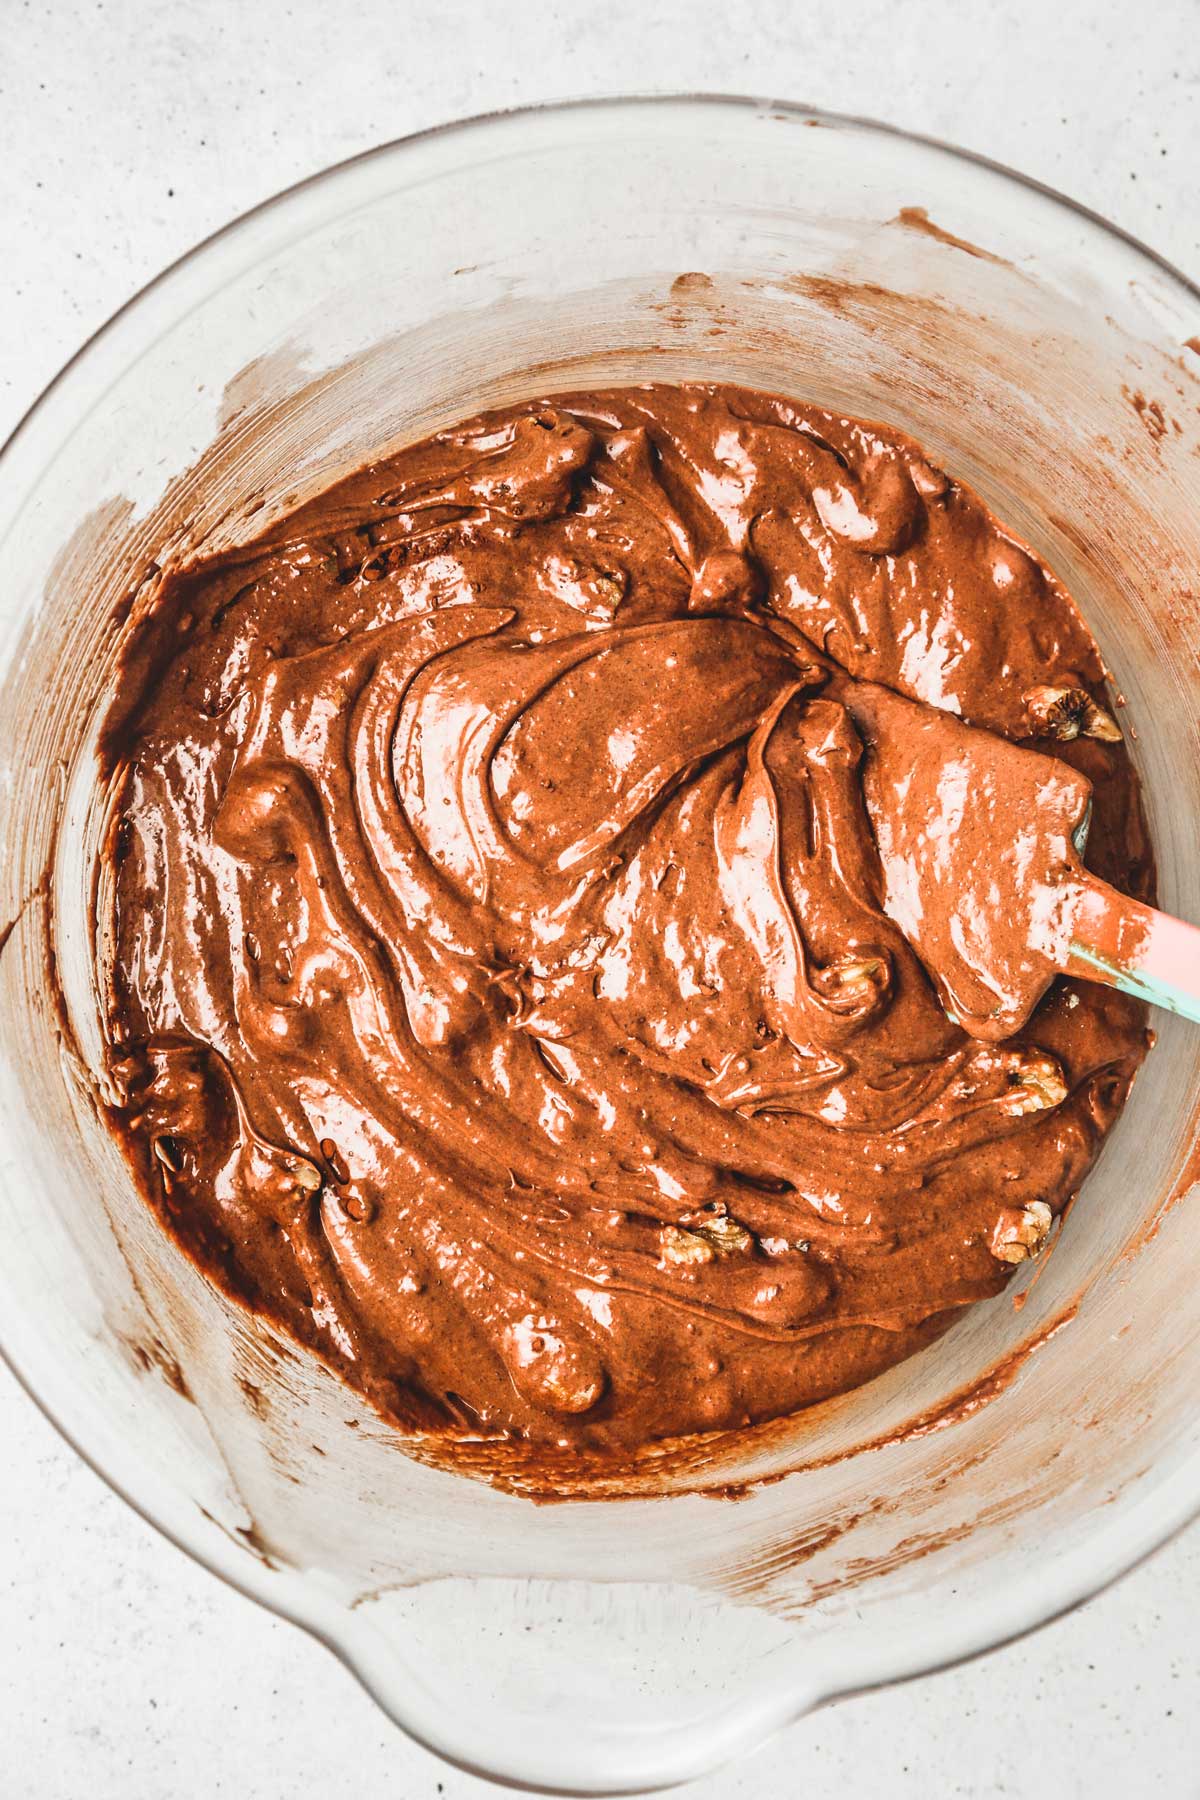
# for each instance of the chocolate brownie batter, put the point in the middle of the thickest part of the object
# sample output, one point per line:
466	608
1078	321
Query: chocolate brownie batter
516	978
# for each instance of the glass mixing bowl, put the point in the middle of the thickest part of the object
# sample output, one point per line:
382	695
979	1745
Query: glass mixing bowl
1029	1456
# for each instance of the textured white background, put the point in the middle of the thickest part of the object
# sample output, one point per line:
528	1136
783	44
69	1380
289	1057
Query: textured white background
128	130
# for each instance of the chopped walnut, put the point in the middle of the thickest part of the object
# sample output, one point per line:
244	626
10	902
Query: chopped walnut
609	587
1019	1234
683	1249
724	1234
1069	712
707	1235
1037	1085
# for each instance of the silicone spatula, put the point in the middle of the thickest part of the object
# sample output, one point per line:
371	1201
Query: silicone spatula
981	843
1131	946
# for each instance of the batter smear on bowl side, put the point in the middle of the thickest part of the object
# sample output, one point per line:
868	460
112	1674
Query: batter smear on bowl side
507	927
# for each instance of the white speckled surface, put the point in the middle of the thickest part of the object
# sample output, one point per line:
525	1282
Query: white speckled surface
127	132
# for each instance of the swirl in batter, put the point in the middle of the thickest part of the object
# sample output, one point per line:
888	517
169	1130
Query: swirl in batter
508	976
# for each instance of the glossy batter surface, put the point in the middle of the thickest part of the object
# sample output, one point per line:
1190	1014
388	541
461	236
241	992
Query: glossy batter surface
505	929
